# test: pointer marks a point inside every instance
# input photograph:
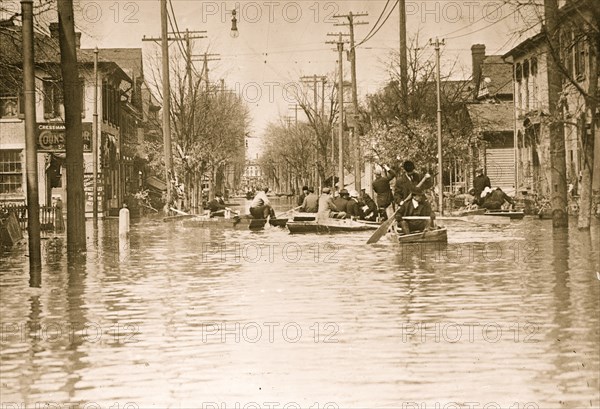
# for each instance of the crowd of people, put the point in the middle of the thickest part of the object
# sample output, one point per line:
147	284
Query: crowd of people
407	201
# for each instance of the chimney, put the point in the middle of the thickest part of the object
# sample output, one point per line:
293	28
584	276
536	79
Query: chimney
54	30
477	57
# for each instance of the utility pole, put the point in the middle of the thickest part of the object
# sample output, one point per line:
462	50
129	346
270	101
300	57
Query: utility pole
206	57
353	129
33	199
340	50
95	139
76	237
296	108
315	79
437	45
558	166
166	91
403	59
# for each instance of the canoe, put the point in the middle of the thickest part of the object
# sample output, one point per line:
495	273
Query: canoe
513	214
240	223
439	235
329	226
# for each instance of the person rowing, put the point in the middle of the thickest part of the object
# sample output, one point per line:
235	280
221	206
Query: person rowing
494	199
260	208
416	205
310	204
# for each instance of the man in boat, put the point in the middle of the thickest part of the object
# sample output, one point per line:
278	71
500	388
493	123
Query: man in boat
383	190
326	205
353	209
368	206
417	205
480	182
260	208
217	206
341	203
302	196
406	182
311	202
494	199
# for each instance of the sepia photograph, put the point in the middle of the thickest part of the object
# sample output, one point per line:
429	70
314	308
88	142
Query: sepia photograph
299	204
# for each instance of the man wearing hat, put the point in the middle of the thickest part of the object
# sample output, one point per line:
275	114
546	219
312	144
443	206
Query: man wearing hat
406	182
302	196
217	206
383	190
341	202
326	205
311	202
480	182
417	205
353	208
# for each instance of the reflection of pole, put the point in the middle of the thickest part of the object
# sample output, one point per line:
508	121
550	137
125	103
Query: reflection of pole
340	46
439	125
33	201
95	138
166	90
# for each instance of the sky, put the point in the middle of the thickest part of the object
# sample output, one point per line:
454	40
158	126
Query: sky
280	41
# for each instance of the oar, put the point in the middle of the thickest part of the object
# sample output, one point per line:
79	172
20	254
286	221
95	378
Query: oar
289	211
477	219
382	230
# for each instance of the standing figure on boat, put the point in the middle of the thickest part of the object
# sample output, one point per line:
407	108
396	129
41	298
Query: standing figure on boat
406	182
417	205
311	202
217	206
495	199
260	208
326	205
383	190
302	196
341	203
480	182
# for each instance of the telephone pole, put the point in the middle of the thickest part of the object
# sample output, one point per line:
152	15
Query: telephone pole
33	199
403	59
352	57
437	43
340	50
206	57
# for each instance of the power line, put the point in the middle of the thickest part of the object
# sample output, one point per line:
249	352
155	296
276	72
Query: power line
378	28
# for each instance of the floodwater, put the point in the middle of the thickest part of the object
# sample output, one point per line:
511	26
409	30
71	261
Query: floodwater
188	318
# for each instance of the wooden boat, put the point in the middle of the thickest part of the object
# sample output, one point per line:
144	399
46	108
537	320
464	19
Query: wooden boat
328	226
513	214
241	223
438	235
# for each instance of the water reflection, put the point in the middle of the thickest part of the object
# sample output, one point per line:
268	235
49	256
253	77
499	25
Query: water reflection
187	316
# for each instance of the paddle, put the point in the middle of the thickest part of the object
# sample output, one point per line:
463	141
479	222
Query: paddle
289	211
382	230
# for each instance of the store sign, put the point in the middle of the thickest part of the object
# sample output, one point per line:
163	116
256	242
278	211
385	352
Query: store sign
51	137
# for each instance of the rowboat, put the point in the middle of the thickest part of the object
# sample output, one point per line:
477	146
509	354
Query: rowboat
239	223
298	225
513	214
437	235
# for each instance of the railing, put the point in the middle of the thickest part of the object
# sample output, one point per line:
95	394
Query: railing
50	216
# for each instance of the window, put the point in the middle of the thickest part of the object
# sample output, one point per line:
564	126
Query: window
9	106
567	50
580	60
526	84
53	99
11	173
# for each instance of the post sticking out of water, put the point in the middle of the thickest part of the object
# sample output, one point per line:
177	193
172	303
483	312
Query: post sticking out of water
124	222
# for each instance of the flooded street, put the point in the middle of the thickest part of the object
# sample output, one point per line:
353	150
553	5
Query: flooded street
191	317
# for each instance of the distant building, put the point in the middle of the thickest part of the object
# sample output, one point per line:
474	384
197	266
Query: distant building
491	116
119	115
